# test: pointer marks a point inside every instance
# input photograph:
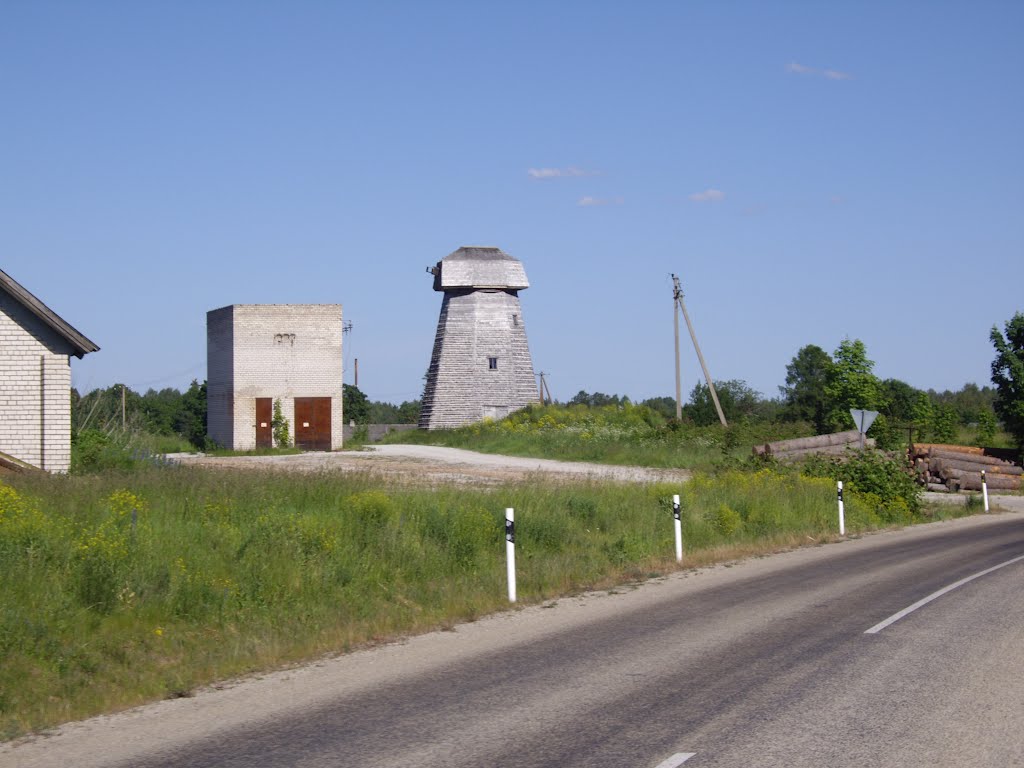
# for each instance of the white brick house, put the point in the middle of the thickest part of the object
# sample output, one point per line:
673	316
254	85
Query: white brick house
259	353
36	345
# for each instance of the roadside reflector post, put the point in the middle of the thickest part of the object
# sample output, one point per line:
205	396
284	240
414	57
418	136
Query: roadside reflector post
679	528
510	551
842	511
984	489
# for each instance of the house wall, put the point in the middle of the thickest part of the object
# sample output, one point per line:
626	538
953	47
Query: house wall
282	351
35	389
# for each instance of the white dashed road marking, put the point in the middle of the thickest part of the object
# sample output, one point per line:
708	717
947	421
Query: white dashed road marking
676	760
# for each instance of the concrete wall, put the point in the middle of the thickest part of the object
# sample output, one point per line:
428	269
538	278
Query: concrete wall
35	389
220	376
281	351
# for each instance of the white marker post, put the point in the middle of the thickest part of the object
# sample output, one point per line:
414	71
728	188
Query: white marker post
842	511
984	489
679	528
510	552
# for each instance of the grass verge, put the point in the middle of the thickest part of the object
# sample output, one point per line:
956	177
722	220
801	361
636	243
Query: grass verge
125	587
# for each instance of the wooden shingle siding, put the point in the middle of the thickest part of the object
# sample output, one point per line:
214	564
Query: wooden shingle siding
476	325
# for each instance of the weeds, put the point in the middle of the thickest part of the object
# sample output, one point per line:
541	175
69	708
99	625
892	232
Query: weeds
614	434
125	587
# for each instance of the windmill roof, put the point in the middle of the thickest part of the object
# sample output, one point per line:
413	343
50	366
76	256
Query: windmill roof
480	267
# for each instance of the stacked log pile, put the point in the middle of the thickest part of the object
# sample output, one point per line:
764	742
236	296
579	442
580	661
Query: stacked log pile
835	444
959	468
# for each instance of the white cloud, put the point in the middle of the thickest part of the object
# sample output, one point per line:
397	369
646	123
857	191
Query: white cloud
588	201
559	173
708	196
828	74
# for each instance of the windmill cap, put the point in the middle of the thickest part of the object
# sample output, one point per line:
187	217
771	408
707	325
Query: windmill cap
479	267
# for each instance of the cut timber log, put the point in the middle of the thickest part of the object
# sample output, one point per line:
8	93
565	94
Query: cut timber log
971	481
922	448
827	450
943	465
939	487
937	453
805	443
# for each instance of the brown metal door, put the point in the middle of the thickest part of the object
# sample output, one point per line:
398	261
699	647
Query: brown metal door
264	415
313	423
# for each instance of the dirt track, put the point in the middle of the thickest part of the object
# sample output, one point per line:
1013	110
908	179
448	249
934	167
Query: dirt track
430	465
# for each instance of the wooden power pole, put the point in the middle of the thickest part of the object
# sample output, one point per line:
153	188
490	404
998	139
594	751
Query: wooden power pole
542	390
678	296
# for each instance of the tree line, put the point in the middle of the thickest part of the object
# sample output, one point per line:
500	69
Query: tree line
165	412
820	389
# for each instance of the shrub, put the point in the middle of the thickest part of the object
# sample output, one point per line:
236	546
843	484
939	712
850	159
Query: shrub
279	426
873	472
727	520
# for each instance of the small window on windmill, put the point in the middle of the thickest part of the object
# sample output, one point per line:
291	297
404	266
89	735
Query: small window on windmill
515	321
492	363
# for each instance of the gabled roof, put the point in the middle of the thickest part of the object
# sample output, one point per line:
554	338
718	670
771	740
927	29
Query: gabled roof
79	343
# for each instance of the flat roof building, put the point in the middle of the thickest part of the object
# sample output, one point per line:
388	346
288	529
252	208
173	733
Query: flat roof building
257	354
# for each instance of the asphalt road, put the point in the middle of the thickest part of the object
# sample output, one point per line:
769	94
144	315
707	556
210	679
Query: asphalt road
764	663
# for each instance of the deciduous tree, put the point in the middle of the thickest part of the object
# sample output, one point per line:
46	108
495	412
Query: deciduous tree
354	404
1008	376
739	402
851	383
807	376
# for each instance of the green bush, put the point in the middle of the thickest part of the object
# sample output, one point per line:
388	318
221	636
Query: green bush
888	481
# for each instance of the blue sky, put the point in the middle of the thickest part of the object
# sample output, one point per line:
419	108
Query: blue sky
811	170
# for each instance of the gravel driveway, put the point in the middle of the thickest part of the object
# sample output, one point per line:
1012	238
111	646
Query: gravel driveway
431	464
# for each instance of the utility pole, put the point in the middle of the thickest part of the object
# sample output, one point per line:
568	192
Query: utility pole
122	409
679	382
542	388
678	294
346	329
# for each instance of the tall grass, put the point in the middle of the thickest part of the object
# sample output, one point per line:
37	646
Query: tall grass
94	450
614	434
122	587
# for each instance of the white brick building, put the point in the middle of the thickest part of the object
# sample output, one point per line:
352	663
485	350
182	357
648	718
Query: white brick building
259	353
36	345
